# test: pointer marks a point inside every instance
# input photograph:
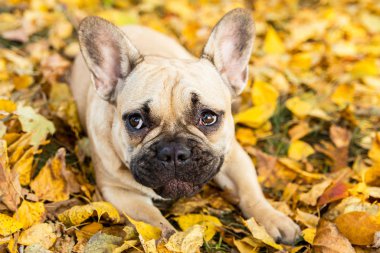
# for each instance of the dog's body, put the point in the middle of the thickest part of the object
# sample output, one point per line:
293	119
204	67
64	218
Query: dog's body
159	120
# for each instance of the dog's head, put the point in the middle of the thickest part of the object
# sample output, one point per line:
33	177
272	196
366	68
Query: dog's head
172	124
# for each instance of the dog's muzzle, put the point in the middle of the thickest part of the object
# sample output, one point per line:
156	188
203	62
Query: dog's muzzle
175	168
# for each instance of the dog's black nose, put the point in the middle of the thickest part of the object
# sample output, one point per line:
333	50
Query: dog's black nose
173	152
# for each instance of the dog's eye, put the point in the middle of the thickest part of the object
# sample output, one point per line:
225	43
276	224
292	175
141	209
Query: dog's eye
136	121
208	118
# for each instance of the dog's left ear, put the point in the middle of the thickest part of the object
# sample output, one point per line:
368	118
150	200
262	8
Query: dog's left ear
229	47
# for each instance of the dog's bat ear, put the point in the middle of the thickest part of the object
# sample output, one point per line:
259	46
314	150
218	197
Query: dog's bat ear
108	53
229	47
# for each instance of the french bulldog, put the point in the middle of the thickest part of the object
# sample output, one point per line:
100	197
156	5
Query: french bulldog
159	120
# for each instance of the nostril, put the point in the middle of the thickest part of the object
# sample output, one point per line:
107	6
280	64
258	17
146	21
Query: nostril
183	155
165	154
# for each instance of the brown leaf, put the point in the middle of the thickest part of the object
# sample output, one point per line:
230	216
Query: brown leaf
10	187
336	191
338	152
329	240
54	182
358	227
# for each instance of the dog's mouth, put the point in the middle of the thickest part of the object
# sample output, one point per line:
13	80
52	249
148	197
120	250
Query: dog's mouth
176	188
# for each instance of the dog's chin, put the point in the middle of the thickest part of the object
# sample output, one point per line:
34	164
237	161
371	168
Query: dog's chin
175	189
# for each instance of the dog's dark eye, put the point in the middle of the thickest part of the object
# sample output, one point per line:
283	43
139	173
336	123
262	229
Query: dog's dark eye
208	118
136	121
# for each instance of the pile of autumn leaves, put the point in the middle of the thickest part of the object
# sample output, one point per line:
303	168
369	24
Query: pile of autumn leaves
308	120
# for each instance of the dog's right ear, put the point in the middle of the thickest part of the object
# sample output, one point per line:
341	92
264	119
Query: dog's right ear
108	53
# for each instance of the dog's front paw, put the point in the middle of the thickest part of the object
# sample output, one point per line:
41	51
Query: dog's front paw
280	227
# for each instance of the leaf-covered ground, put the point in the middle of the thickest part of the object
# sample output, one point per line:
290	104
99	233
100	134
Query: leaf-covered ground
309	119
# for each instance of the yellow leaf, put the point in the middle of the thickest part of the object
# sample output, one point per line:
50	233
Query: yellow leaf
358	227
300	108
30	213
7	106
308	234
261	234
211	223
35	123
310	220
24	166
42	234
8	225
247	245
374	152
273	43
22	82
87	231
119	17
188	241
246	136
366	67
145	230
50	183
255	116
299	150
263	93
297	167
302	61
343	94
78	214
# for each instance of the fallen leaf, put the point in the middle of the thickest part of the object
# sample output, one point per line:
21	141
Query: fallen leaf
299	150
329	240
36	248
8	225
34	123
7	106
261	234
247	245
336	191
255	116
308	234
30	213
311	197
273	43
188	241
211	223
41	233
78	214
10	188
343	94
54	182
358	227
307	219
101	242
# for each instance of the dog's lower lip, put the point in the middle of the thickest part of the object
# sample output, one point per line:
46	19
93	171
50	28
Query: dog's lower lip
176	188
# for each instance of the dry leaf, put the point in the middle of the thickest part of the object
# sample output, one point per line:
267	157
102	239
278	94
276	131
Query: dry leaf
358	227
34	123
329	240
10	188
30	213
188	241
42	234
78	214
211	223
299	150
311	197
8	225
54	182
261	234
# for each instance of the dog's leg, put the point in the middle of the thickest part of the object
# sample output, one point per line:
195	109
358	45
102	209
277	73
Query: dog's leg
138	207
238	175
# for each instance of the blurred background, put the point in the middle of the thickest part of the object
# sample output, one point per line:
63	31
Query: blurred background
309	116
